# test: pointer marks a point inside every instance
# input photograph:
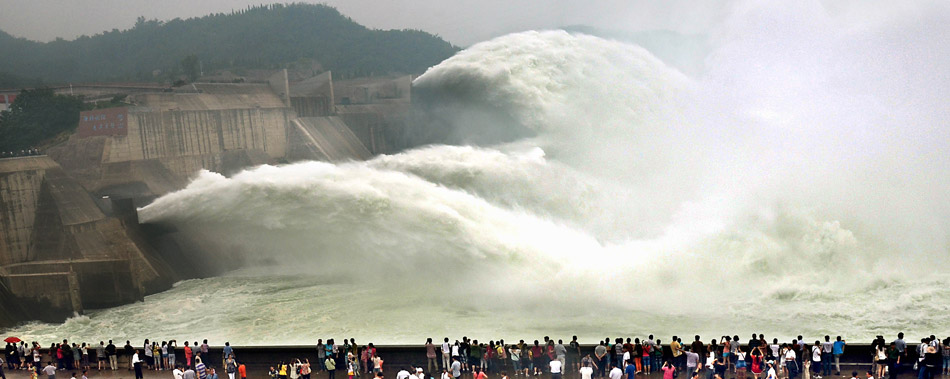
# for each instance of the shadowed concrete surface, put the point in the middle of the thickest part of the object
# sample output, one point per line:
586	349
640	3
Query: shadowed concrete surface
60	253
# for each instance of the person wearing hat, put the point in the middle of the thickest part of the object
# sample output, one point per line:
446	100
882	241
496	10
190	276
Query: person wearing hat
403	374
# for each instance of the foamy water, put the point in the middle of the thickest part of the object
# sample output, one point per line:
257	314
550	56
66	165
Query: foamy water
251	309
648	203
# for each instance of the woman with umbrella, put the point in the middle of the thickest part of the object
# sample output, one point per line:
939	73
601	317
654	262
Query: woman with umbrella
12	355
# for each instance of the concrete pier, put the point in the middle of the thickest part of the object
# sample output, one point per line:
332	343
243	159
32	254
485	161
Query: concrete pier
59	253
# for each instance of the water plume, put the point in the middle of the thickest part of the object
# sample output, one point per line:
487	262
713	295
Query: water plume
801	175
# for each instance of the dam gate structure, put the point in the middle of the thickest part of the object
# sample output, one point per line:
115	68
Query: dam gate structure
70	239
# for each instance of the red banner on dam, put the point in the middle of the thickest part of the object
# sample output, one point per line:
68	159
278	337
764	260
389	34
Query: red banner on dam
103	122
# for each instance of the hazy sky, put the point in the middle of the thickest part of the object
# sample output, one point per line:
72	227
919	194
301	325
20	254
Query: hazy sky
462	22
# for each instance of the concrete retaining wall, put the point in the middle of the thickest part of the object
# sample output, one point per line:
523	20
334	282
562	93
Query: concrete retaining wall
163	134
21	181
49	296
59	253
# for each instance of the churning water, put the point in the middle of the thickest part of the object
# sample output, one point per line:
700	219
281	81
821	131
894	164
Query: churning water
797	190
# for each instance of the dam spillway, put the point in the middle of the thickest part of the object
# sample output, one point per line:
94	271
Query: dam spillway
70	239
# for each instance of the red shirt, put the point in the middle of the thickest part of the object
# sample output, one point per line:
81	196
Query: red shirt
756	364
536	351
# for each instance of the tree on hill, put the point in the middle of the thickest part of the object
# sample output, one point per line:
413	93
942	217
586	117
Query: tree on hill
190	66
265	37
37	115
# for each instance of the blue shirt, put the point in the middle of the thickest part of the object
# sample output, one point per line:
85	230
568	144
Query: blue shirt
838	348
631	371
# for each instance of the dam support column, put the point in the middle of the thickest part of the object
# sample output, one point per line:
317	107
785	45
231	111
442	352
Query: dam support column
75	296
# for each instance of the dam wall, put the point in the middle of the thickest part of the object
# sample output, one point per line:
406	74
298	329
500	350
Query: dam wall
168	137
59	253
70	239
21	180
212	120
156	133
326	139
48	296
376	110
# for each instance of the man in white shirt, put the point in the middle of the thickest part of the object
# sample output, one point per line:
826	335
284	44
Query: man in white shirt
555	369
587	372
50	370
178	374
826	348
402	374
616	373
446	354
791	365
137	364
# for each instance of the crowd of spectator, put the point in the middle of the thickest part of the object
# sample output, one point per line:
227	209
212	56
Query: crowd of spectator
22	153
617	358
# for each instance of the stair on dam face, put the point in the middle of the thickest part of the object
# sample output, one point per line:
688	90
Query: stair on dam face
329	139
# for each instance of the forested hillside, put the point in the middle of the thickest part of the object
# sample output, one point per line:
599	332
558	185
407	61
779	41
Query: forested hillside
272	36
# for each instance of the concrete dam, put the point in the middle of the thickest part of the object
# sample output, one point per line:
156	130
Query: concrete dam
70	239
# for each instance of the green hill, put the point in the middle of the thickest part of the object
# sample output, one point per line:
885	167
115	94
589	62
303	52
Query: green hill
265	37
